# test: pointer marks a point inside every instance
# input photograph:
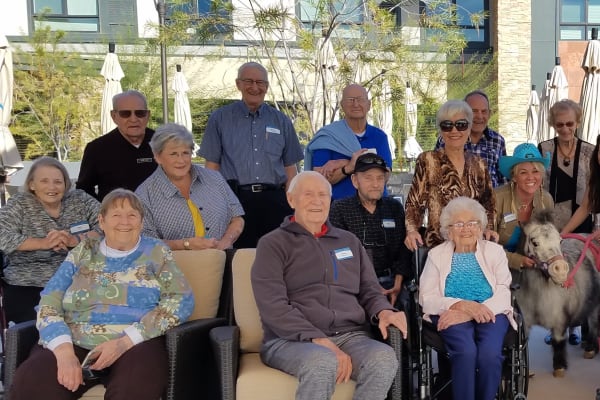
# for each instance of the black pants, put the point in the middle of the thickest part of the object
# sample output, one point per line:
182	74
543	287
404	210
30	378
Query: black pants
264	211
20	301
140	373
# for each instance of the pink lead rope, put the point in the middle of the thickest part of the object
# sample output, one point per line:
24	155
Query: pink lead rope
588	245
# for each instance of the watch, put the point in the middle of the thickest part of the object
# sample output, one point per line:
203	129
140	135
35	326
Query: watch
186	244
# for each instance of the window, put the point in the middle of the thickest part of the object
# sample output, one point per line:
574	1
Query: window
577	18
347	13
214	14
67	15
477	36
86	19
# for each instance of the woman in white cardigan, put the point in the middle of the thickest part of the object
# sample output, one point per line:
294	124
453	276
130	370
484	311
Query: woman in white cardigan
465	292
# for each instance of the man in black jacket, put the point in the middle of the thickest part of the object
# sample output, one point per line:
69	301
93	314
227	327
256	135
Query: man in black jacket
122	158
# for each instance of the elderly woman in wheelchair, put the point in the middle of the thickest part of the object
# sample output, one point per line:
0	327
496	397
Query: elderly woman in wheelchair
465	293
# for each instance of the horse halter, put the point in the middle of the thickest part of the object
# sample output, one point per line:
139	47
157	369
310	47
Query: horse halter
544	266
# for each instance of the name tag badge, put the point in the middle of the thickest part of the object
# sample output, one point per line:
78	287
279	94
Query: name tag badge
509	217
273	130
343	254
144	160
389	223
79	227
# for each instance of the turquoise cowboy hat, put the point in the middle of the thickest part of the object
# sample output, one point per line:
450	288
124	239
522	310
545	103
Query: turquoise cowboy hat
525	152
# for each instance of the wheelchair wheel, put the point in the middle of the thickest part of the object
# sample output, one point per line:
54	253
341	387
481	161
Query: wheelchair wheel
515	377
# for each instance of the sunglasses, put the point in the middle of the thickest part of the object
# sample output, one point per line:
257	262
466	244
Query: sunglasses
127	113
371	159
569	124
461	125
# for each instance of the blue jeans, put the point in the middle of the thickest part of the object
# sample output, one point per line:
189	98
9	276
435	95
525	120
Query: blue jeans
476	357
374	365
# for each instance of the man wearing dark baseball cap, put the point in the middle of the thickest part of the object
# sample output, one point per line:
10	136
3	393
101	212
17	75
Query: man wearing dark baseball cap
377	221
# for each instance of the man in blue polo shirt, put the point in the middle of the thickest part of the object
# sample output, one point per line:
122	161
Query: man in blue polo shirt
335	147
256	149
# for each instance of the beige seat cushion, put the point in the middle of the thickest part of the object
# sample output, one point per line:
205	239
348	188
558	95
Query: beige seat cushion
256	381
95	393
244	305
204	271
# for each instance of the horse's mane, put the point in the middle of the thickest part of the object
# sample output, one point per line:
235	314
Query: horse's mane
542	217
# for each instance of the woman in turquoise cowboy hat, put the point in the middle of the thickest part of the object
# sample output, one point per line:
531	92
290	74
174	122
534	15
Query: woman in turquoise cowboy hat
516	200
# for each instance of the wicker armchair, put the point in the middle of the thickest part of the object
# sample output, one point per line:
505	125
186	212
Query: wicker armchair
191	369
242	374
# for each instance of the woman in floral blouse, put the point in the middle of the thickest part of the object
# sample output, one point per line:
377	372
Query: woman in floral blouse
114	296
445	174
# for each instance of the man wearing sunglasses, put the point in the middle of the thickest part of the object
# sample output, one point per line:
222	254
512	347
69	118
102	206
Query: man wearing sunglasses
256	149
483	141
335	147
378	222
122	158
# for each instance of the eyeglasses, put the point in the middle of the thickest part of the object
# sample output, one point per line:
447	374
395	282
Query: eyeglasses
357	100
127	113
461	125
250	82
469	225
569	124
374	239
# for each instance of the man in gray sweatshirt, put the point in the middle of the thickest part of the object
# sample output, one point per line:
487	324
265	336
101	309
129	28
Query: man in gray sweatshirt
317	294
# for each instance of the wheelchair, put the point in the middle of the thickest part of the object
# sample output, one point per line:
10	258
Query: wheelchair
421	379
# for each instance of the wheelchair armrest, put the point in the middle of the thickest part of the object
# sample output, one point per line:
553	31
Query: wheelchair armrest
20	339
191	361
225	341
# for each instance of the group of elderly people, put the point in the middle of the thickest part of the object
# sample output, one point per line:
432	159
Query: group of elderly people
105	280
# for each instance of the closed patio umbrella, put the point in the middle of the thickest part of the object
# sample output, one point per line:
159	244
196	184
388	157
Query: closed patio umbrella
10	160
385	115
325	101
532	116
558	90
590	98
412	149
545	131
181	106
112	73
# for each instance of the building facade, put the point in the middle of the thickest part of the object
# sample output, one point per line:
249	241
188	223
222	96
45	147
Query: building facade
525	35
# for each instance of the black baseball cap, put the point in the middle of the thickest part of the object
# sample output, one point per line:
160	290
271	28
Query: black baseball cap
369	160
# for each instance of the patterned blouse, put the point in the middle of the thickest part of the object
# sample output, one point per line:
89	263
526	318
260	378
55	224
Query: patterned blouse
93	298
436	182
24	217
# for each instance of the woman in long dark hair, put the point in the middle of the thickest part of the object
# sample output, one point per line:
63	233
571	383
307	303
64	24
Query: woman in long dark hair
591	199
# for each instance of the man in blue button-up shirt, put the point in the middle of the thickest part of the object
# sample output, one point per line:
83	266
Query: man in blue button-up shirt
256	149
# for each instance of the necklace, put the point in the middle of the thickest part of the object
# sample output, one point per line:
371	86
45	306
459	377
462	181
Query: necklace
567	156
524	207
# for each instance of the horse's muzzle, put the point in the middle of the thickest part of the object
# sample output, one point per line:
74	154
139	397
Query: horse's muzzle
559	271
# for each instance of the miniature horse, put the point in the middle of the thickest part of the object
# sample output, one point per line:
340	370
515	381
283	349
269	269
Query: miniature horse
559	291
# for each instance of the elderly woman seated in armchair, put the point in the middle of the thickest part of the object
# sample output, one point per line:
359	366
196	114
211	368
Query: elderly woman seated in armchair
465	291
114	297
